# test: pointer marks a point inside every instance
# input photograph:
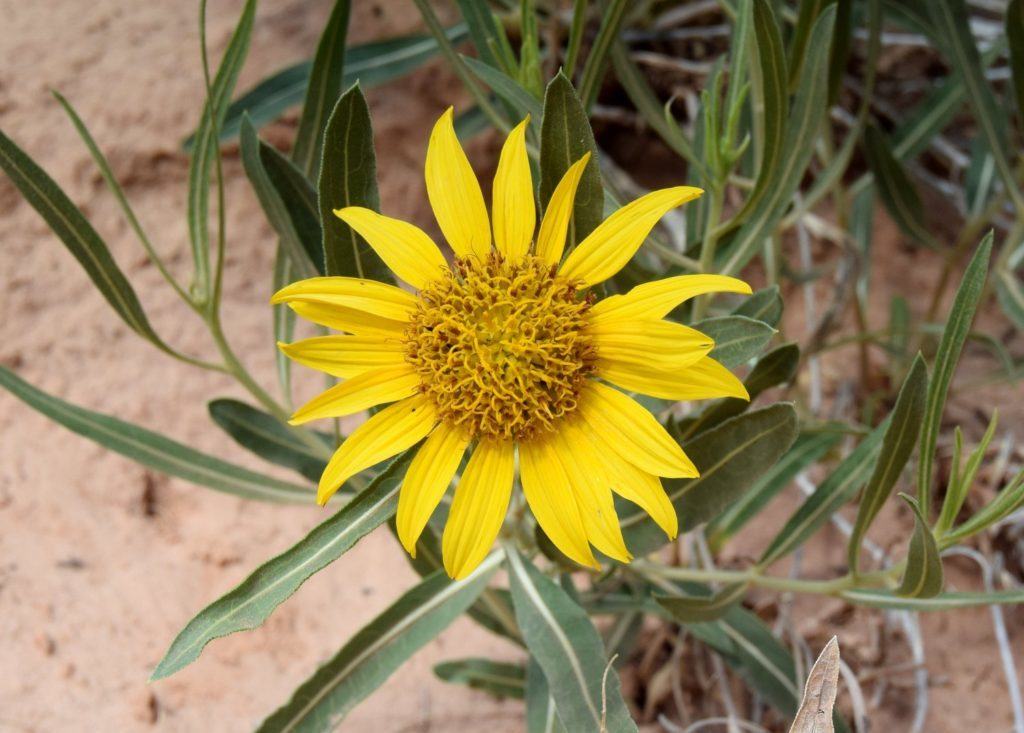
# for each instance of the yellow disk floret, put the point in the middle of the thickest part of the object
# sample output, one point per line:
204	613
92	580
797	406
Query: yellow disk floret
500	346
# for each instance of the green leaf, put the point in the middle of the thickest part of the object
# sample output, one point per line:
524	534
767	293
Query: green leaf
204	150
807	449
764	305
1007	501
278	213
771	117
565	138
299	200
958	326
738	339
783	174
326	80
923	575
808	12
895	188
837	489
370	64
612	15
1015	40
897	445
369	658
508	89
541	716
953	31
154	450
77	234
272	583
497	678
1009	289
840	49
569	651
695	609
268	438
731	458
348	177
941	602
488	35
960	483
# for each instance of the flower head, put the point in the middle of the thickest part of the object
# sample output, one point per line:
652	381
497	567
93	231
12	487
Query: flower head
506	352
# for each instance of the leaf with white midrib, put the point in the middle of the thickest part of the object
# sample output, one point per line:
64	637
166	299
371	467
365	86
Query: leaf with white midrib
370	656
564	642
252	602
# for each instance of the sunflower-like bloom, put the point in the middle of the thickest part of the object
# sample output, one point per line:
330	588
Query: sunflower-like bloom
505	351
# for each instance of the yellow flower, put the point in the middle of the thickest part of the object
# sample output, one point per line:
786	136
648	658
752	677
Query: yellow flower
505	351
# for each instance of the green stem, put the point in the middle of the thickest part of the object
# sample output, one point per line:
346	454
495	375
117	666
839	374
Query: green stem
572	53
754	576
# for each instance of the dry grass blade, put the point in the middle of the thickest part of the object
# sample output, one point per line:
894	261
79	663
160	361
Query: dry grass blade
815	713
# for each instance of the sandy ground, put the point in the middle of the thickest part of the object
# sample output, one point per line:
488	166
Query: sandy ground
101	561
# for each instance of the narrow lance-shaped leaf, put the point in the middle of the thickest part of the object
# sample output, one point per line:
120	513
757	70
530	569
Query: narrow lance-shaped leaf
205	148
695	609
960	482
786	172
269	438
731	458
299	198
348	177
251	603
326	77
510	91
838	488
815	713
614	12
370	657
487	34
808	12
1007	501
895	188
154	450
77	234
541	716
270	199
897	445
923	575
568	649
764	305
738	339
958	326
501	679
565	138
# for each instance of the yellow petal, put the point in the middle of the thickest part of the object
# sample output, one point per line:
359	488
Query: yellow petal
454	192
662	343
350	320
405	248
386	434
552	501
555	224
641	488
592	488
609	247
359	393
346	356
512	206
379	299
478	509
706	379
427	479
633	432
658	298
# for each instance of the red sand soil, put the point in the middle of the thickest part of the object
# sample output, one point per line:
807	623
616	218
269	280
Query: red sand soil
102	562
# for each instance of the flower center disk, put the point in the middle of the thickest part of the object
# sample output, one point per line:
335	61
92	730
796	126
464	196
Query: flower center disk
500	347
